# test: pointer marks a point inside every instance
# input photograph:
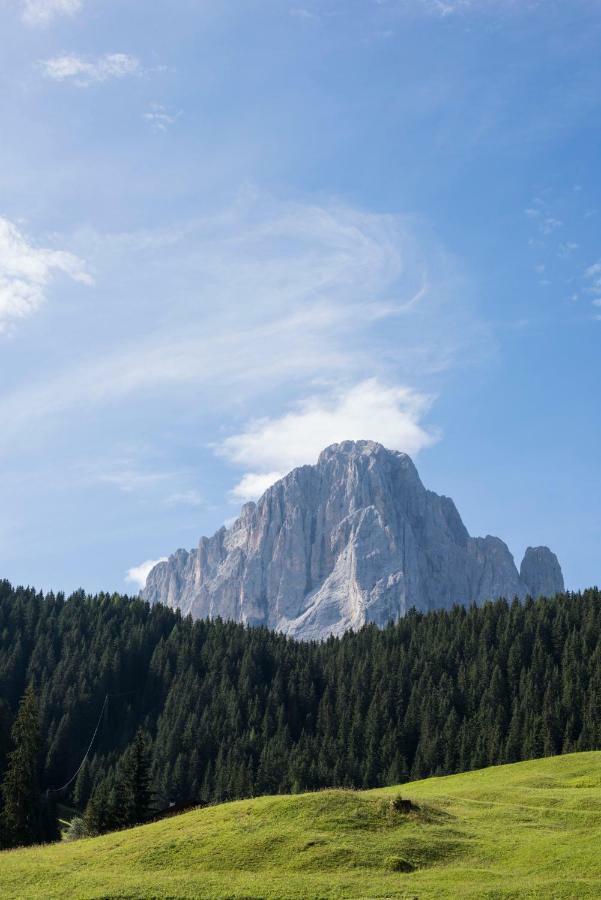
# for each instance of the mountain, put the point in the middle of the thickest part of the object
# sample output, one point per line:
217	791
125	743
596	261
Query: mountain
355	538
541	571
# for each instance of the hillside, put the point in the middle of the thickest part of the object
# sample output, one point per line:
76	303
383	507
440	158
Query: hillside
530	829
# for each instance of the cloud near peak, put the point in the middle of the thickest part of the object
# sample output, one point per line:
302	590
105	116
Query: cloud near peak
253	484
390	414
138	574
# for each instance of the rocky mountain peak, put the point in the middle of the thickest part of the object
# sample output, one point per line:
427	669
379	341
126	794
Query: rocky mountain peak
352	450
541	573
355	538
367	454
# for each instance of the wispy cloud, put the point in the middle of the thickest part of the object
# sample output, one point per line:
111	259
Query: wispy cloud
391	414
84	71
27	270
185	498
447	8
137	575
159	118
550	224
262	295
552	216
547	224
594	273
592	276
130	480
131	474
41	12
301	12
567	250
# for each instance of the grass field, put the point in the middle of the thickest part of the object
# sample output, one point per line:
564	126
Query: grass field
527	830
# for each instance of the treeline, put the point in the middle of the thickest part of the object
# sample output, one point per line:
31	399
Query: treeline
226	711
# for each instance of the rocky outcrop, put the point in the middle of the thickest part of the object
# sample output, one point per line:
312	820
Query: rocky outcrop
354	539
541	573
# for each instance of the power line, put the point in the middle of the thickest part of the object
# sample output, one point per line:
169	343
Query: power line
86	754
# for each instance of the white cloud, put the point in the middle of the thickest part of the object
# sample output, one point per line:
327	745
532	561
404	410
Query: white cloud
593	276
86	71
448	7
593	270
252	485
138	574
369	410
451	7
40	12
257	298
550	224
566	250
26	271
546	222
159	118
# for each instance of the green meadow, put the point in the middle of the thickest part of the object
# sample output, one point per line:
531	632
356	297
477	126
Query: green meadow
531	829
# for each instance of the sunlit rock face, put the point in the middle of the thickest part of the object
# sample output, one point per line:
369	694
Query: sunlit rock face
355	538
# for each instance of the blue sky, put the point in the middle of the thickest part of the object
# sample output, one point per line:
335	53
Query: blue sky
232	233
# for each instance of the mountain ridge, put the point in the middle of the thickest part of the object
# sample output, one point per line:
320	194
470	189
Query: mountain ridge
354	538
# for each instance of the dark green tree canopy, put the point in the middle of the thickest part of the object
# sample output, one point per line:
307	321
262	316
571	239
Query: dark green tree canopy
26	817
227	711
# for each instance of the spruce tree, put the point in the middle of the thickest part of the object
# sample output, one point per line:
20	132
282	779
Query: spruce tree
22	814
135	779
98	814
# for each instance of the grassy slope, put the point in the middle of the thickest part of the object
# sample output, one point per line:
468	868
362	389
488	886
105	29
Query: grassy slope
527	830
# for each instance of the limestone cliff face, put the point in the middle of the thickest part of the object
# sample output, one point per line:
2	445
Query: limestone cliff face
541	573
354	539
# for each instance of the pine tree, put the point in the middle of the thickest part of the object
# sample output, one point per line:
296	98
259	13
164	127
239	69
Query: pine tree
23	814
134	780
98	814
81	791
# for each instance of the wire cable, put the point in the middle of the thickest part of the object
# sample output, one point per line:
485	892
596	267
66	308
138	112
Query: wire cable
86	754
78	770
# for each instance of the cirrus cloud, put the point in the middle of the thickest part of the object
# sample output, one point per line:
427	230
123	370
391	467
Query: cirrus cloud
263	296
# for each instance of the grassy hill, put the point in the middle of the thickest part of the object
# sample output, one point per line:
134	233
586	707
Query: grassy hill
527	830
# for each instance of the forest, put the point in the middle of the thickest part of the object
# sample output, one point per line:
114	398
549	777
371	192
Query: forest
213	710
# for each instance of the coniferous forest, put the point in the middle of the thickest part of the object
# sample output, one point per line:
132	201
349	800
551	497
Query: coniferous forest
197	712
